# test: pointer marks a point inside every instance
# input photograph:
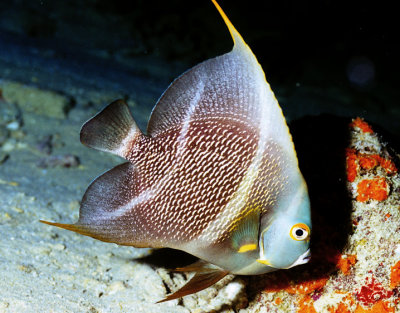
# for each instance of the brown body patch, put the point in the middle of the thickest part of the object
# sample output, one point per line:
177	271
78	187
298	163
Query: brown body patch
193	178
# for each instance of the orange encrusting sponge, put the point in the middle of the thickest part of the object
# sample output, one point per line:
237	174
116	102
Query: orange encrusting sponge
372	189
361	124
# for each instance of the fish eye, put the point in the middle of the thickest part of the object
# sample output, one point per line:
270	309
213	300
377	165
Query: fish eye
300	232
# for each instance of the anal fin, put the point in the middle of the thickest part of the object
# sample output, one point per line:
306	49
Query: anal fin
206	276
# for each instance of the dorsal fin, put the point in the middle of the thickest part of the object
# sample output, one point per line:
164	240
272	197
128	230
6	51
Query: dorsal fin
237	38
112	130
231	86
221	87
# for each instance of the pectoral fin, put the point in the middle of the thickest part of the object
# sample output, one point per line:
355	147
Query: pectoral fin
206	275
245	236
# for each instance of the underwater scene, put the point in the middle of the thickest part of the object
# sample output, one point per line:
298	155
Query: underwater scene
148	165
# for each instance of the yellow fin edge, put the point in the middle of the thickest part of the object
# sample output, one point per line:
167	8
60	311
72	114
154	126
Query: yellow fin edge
234	33
237	38
71	227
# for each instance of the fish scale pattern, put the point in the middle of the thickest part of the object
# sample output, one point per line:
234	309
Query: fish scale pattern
262	188
192	179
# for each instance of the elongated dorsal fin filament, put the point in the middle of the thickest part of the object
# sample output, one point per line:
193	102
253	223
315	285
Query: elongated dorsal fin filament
237	38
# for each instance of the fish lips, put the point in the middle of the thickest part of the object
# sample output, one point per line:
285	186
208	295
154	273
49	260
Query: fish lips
302	259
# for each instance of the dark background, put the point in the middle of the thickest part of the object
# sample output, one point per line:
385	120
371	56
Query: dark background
338	57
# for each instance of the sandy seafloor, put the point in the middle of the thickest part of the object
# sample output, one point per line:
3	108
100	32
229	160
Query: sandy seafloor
44	171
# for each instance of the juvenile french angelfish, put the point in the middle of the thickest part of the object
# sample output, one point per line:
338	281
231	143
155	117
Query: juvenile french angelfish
215	176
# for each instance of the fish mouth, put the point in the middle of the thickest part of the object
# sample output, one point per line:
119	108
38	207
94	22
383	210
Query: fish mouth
302	259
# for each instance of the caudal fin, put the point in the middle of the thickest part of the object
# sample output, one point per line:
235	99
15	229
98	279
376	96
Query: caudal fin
113	130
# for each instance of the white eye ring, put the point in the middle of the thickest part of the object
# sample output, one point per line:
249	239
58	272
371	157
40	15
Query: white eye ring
300	232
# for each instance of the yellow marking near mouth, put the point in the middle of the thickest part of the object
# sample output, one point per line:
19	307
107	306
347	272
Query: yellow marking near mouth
248	247
265	262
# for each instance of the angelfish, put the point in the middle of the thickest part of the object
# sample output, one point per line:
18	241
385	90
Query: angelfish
216	175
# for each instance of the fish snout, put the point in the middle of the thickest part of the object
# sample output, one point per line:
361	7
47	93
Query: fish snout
302	259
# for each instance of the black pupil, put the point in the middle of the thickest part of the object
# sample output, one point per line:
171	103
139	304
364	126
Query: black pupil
299	232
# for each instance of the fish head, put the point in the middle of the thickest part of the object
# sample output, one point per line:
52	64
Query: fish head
285	238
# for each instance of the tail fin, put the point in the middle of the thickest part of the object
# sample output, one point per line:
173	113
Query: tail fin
113	130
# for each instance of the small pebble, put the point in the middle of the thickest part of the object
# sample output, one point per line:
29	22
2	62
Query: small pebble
45	145
115	287
4	305
4	134
13	125
9	145
18	210
59	247
64	160
3	157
